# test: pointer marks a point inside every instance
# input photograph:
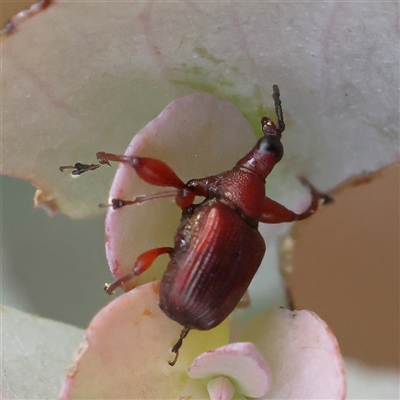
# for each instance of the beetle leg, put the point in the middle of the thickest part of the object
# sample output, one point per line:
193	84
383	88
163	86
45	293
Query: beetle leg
79	168
119	203
275	213
143	262
156	173
178	345
183	198
151	170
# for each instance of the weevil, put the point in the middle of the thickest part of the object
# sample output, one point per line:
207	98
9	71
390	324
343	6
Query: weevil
217	246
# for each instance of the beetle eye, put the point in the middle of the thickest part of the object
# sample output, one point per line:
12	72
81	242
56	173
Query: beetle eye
270	144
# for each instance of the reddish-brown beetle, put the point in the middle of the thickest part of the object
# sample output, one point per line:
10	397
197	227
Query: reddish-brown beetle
217	246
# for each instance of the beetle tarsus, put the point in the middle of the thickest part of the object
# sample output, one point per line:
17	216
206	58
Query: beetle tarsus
107	288
79	168
110	288
119	203
326	199
173	362
178	345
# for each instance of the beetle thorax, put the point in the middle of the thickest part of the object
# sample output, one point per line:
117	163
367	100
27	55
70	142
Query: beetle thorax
244	191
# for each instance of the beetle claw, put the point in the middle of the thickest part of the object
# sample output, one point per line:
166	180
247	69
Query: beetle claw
324	198
173	362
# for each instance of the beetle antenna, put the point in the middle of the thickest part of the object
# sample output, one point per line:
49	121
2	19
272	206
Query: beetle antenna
278	108
178	345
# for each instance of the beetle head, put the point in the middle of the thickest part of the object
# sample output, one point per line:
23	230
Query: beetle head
265	154
269	147
268	150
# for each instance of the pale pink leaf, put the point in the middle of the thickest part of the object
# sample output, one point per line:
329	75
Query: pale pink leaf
240	362
220	388
82	76
127	348
302	352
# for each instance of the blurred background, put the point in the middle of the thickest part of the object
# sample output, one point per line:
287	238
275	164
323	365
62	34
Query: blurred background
346	264
346	269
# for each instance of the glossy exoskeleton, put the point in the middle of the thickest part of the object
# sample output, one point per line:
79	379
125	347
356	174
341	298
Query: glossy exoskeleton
217	247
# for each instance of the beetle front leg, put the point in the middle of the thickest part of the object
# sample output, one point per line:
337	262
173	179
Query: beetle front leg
151	170
275	213
143	262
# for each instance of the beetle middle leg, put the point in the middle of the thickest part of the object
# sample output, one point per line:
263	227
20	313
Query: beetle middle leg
177	193
143	262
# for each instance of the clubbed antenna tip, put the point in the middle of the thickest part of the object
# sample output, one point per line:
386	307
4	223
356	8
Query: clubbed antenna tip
278	108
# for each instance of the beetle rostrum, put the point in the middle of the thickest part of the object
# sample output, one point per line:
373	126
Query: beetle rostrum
217	246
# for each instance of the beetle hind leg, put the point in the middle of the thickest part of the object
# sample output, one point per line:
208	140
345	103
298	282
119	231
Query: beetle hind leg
178	345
